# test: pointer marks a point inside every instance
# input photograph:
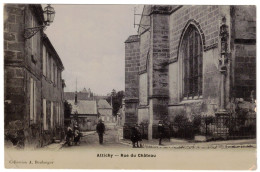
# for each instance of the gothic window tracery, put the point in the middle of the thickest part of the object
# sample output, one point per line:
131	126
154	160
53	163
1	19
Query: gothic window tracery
191	64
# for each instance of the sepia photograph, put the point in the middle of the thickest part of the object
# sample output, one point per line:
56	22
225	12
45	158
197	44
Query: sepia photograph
129	86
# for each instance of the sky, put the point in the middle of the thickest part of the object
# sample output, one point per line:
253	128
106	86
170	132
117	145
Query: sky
90	42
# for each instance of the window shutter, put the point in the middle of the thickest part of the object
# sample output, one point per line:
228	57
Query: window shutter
51	114
34	102
44	60
31	99
56	113
44	114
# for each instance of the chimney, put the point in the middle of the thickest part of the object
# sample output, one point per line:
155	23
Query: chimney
76	98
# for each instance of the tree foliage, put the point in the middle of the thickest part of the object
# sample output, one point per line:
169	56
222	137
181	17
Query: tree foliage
67	109
116	98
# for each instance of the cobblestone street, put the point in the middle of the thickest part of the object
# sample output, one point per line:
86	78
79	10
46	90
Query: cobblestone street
113	151
91	141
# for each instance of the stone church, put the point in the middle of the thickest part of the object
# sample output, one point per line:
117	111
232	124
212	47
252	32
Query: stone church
191	60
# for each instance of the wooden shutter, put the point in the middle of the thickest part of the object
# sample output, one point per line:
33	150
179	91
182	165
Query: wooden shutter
45	126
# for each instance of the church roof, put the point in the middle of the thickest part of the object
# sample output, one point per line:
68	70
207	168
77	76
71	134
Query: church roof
132	38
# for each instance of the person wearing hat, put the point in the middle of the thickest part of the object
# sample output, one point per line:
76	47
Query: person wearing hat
134	136
100	130
77	134
160	131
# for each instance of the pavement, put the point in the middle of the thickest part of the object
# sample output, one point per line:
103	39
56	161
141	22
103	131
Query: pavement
57	146
113	138
179	143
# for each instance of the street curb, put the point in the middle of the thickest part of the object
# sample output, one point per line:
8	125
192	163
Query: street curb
195	146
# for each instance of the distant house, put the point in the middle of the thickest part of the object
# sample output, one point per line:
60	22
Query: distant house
85	113
105	112
87	108
83	95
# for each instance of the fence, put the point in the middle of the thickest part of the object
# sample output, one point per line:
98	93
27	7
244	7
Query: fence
222	127
229	127
214	128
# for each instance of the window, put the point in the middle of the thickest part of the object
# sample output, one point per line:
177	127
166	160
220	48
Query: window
191	64
58	118
44	60
59	113
51	114
54	74
32	100
58	78
45	125
34	39
52	70
49	66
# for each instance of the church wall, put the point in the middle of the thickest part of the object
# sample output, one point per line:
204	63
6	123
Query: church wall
132	57
159	70
244	24
206	19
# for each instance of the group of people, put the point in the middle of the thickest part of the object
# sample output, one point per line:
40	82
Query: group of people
73	135
136	136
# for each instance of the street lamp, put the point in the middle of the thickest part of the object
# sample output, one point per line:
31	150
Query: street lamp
48	15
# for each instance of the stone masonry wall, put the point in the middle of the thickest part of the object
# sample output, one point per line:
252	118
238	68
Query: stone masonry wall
143	89
17	76
245	51
245	71
23	62
206	16
144	50
206	20
145	53
33	57
13	60
14	95
160	53
13	37
132	55
245	22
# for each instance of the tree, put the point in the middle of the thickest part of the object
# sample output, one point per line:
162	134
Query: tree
116	98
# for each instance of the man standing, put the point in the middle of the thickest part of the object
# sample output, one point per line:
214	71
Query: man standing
160	131
100	130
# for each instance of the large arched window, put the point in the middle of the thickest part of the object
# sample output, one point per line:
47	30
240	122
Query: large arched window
191	64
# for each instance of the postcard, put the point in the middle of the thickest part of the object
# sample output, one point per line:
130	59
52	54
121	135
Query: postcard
130	86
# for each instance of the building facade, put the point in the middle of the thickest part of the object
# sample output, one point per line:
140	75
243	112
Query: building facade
88	108
105	113
189	60
32	80
84	113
